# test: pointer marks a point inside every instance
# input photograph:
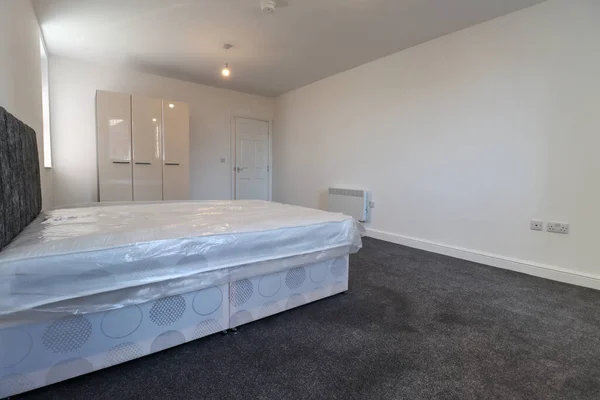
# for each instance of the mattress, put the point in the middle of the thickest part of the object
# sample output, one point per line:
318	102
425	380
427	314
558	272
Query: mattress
69	260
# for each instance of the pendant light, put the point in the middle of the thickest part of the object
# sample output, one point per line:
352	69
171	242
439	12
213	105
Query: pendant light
226	71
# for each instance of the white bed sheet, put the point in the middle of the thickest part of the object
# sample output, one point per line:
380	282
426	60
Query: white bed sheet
75	253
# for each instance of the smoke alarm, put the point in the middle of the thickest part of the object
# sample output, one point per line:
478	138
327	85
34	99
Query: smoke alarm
268	6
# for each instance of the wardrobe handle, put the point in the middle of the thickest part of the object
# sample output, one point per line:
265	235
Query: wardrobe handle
171	163
120	162
143	163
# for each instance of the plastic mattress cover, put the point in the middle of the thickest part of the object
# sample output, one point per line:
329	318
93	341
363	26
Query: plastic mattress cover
100	257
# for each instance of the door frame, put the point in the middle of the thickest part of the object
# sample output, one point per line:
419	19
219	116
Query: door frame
233	155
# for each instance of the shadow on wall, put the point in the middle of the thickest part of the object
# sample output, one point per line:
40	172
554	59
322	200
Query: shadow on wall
323	199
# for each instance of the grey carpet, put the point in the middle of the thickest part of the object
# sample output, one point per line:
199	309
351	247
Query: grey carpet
414	325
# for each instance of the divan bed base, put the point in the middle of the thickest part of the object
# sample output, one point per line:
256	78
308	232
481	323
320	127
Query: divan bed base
42	353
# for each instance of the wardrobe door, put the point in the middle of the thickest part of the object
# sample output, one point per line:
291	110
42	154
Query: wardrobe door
176	170
113	124
146	116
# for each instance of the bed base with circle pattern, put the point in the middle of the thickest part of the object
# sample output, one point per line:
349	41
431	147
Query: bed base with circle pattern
42	353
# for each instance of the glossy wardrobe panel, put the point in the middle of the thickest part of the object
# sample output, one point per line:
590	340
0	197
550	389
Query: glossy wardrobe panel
113	119
146	114
176	170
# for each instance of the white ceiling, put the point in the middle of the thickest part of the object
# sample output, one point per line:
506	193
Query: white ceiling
306	41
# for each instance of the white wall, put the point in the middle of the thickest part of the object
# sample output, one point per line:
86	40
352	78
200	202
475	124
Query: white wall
73	86
20	75
464	139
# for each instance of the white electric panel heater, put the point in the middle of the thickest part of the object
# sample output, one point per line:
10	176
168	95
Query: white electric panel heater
351	202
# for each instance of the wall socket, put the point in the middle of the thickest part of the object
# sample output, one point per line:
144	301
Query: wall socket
371	204
557	227
537	225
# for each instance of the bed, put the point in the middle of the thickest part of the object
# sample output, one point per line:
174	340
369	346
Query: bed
88	287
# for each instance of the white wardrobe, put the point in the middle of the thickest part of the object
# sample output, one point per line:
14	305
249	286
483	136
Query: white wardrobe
143	148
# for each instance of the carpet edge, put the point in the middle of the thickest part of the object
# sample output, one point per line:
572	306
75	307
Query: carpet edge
494	260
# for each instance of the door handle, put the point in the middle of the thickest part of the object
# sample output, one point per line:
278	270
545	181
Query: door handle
240	169
171	163
143	163
120	162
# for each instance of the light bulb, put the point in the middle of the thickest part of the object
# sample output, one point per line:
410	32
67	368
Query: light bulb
171	105
226	71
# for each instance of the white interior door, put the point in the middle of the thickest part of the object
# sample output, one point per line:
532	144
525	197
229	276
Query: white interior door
146	127
251	159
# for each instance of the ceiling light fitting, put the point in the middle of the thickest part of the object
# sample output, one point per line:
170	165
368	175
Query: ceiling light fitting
226	71
269	6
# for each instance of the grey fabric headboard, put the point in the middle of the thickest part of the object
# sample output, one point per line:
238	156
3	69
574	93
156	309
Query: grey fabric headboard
20	188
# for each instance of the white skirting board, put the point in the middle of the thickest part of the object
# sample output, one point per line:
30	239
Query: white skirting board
527	267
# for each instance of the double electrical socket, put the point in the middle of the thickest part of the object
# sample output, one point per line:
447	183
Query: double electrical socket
554	227
557	227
